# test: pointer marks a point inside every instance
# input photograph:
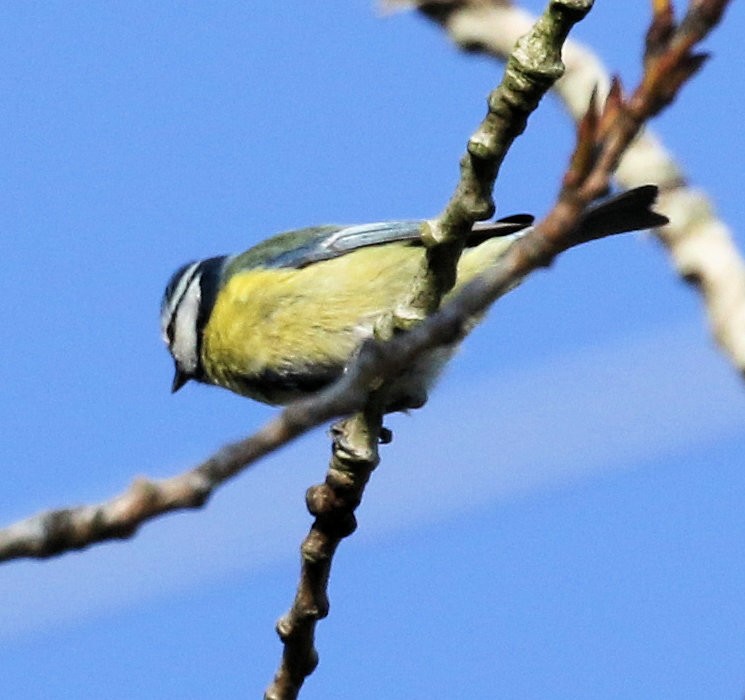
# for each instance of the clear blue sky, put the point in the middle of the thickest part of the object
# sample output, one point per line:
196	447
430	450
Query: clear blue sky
565	518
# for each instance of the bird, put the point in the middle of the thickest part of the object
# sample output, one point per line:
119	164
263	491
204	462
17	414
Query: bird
283	319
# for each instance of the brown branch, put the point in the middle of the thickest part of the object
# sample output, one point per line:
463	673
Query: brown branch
354	456
67	529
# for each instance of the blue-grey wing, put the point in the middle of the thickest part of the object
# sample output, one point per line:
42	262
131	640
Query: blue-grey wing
299	248
329	242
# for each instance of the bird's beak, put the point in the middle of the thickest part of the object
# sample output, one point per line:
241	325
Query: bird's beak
179	379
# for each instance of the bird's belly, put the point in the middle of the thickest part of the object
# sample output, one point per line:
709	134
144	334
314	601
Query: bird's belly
278	334
276	353
274	370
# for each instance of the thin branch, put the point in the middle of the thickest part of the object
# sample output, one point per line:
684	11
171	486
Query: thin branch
532	68
354	456
68	529
700	245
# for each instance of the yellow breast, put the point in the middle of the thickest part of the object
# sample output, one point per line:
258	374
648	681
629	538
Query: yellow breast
289	322
296	321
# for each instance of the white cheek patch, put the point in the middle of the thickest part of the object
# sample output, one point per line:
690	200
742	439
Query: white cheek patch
184	344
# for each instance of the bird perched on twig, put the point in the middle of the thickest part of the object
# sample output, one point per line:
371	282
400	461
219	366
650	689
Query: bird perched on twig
283	319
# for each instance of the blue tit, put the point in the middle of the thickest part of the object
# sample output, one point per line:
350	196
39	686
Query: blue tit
283	319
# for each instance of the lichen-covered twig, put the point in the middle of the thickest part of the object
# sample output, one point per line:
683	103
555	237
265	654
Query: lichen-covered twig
700	245
532	68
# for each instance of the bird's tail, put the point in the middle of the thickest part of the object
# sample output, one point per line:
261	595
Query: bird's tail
628	211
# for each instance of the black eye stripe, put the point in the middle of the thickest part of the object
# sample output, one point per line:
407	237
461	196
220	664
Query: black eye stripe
207	274
174	304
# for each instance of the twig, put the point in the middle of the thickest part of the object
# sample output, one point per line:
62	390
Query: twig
68	529
354	456
532	68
